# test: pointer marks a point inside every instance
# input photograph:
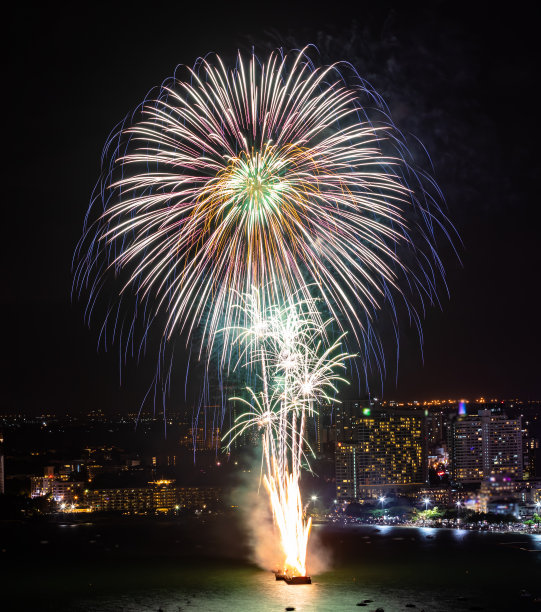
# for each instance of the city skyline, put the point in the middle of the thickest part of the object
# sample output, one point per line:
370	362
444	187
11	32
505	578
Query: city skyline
364	449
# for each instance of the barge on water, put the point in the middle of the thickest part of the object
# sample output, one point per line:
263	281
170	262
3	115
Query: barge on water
288	579
298	579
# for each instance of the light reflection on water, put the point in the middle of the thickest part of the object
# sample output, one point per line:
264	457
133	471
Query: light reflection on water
438	570
460	534
223	588
428	531
235	590
259	591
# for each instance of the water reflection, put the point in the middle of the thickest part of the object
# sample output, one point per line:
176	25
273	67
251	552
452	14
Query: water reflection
536	542
231	590
428	532
425	567
281	595
459	534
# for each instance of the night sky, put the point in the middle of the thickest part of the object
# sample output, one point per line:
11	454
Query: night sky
461	79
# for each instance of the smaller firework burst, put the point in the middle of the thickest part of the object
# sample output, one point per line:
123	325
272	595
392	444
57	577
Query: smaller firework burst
286	346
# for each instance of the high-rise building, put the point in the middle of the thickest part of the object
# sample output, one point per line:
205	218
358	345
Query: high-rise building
531	452
379	448
436	427
483	445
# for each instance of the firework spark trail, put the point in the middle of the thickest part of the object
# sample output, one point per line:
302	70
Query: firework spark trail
267	175
284	345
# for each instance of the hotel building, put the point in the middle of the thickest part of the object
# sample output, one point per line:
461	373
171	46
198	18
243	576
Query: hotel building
378	450
483	445
161	495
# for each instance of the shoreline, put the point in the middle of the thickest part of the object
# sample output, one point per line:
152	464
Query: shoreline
347	523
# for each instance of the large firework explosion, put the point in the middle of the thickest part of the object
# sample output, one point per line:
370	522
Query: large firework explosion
268	175
273	175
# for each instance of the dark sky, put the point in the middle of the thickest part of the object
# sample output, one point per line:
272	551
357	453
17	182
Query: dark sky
462	78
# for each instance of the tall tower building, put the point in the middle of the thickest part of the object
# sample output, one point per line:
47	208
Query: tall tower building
378	449
484	445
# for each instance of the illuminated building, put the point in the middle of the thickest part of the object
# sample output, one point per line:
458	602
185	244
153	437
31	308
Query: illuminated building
60	490
497	494
380	448
530	444
58	486
435	427
484	445
531	450
161	495
441	497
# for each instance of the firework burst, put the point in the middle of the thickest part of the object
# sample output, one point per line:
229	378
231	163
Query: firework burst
267	175
285	347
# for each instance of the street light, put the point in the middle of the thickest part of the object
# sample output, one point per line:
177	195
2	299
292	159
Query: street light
458	505
426	502
314	498
382	501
